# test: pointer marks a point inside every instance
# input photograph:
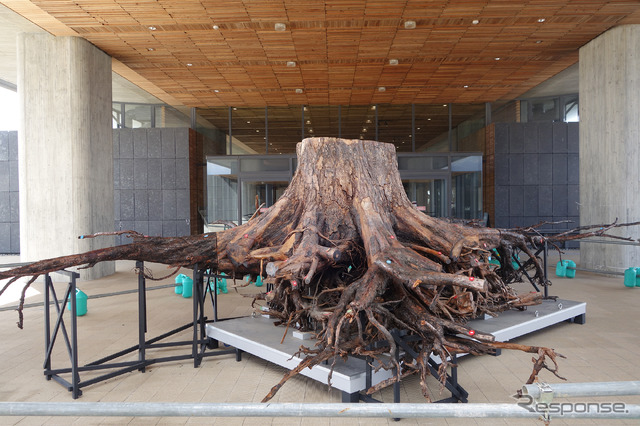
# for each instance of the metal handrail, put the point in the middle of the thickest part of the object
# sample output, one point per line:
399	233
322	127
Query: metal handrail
383	410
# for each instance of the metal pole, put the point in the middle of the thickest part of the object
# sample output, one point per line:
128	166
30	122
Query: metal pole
142	314
402	410
569	390
75	375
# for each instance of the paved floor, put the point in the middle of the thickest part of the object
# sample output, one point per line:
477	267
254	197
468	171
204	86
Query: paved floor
606	348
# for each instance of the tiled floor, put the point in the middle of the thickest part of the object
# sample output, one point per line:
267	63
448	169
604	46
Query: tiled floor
606	348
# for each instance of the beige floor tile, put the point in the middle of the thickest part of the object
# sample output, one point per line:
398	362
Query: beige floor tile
606	348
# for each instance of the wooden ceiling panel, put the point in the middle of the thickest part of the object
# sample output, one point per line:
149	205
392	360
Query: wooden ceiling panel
341	48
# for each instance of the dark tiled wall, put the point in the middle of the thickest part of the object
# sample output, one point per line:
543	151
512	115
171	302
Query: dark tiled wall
151	181
536	174
9	212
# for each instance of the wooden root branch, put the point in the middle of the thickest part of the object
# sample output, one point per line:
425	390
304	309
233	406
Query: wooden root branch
351	259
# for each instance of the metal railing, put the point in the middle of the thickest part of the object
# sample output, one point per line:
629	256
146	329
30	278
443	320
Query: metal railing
392	410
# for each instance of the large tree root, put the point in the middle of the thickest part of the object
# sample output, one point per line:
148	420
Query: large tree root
351	259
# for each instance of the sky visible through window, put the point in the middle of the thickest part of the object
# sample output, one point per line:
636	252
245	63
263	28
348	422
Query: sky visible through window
8	109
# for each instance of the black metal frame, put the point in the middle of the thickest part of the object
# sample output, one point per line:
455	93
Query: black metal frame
458	393
198	344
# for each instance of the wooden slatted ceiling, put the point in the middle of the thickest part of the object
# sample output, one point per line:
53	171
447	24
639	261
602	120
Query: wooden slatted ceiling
341	47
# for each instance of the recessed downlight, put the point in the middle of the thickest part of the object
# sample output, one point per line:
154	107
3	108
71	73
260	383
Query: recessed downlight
409	25
280	26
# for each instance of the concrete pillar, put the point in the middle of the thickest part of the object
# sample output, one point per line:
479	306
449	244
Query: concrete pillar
65	148
610	142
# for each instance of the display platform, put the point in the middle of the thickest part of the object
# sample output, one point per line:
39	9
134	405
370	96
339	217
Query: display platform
511	324
259	337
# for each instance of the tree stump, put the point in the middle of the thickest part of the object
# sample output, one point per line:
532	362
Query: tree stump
351	258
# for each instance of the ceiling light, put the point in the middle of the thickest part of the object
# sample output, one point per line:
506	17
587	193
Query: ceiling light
310	130
364	130
381	89
248	122
444	104
215	27
216	90
152	28
235	109
299	90
465	86
189	64
428	119
538	41
291	64
305	108
497	59
150	49
368	121
257	130
393	62
409	25
541	20
418	128
373	107
308	121
280	27
475	22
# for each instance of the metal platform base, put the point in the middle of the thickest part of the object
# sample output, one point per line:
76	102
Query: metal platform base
511	324
258	336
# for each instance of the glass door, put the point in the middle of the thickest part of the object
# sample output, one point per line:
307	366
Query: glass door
260	193
429	195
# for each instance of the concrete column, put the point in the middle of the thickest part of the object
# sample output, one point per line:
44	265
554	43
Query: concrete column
610	142
65	148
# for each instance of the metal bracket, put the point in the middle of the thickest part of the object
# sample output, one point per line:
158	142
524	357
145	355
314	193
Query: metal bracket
546	393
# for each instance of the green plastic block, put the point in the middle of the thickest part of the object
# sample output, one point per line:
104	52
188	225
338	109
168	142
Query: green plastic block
631	277
81	303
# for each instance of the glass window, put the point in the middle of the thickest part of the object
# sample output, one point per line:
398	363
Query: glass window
468	123
355	120
394	126
543	109
423	163
428	195
466	195
116	115
285	129
571	110
248	131
321	121
222	194
432	128
167	116
271	164
137	116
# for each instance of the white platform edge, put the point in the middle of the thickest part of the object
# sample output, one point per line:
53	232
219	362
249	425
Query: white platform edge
319	372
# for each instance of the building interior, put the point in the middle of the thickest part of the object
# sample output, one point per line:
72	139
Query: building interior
175	118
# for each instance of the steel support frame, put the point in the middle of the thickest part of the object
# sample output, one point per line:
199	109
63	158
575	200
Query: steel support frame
198	344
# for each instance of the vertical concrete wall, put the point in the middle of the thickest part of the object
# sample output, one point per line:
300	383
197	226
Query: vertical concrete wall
536	174
151	181
65	147
610	142
9	195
